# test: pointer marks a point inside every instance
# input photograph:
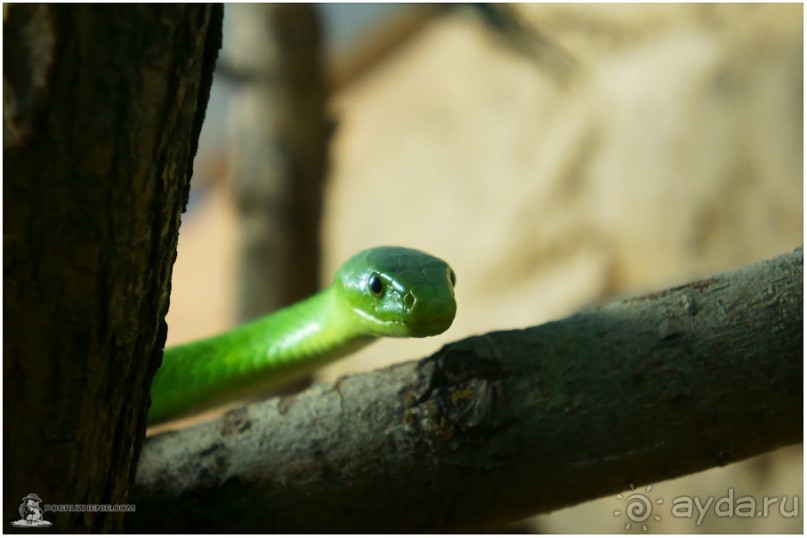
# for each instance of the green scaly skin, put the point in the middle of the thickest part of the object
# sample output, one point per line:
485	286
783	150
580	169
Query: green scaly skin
384	291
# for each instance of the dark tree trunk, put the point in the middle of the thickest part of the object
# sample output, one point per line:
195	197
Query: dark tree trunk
103	107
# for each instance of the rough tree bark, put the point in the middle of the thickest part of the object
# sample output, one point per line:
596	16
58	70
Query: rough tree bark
103	107
501	426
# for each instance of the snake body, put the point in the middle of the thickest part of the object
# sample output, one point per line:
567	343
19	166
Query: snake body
384	291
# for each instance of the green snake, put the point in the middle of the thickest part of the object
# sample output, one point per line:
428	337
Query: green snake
383	291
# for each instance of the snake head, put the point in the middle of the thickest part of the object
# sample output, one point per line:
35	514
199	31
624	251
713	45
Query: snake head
396	291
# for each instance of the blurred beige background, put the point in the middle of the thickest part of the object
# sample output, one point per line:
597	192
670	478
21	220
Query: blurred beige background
672	150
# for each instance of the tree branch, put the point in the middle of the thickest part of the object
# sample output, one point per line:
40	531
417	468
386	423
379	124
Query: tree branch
501	426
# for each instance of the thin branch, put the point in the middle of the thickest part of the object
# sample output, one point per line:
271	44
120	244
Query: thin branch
501	426
280	146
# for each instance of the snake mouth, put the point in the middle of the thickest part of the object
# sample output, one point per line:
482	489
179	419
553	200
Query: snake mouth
412	328
434	324
429	328
432	316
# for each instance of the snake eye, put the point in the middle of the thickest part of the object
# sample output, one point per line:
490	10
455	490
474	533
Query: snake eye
375	284
453	277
